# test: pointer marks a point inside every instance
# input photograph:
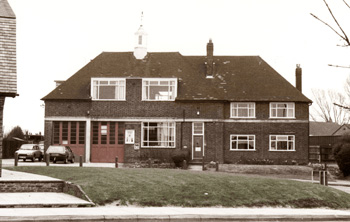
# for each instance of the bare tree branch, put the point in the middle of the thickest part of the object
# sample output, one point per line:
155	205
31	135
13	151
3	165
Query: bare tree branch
328	26
338	66
324	106
336	21
344	36
346	3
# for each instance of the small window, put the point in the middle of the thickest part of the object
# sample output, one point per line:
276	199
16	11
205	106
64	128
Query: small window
108	89
242	110
282	110
282	143
159	89
242	142
198	128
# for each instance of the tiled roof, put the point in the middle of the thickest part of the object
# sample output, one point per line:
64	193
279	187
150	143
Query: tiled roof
236	78
5	10
322	128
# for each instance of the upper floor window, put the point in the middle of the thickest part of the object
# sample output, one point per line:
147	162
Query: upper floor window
159	89
282	110
242	110
108	89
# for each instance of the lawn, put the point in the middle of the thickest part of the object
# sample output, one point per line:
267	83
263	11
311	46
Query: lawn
168	187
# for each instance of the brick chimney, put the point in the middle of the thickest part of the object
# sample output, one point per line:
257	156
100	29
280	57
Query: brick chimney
210	64
298	78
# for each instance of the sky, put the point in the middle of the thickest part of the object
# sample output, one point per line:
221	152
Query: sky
56	38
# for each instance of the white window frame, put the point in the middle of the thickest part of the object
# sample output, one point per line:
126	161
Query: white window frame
194	131
237	140
120	87
282	138
236	106
169	80
168	133
290	108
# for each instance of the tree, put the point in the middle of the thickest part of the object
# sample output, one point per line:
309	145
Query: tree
341	153
324	106
340	32
15	132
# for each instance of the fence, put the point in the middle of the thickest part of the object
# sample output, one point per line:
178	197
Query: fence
9	148
320	148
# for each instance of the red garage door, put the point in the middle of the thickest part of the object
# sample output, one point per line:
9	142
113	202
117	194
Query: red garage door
107	142
71	133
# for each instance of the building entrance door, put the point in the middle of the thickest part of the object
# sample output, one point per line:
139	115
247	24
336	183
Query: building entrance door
197	147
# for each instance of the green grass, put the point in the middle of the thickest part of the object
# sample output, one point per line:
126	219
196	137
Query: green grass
164	187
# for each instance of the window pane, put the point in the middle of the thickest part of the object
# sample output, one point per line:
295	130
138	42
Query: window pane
112	133
95	133
121	128
64	132
103	133
56	132
73	132
107	92
81	132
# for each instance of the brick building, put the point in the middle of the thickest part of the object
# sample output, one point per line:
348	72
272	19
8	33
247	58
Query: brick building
8	73
139	105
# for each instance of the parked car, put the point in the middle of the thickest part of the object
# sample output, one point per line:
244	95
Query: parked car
60	153
29	151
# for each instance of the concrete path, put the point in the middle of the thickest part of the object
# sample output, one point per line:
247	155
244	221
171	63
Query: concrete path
171	214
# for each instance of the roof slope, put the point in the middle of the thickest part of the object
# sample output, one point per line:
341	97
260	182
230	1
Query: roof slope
236	78
5	10
322	128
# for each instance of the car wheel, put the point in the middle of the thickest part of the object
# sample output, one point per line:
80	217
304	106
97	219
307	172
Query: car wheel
72	160
65	160
24	160
40	158
33	159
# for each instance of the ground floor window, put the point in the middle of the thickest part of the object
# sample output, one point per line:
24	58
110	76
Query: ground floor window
242	142
282	142
158	134
69	132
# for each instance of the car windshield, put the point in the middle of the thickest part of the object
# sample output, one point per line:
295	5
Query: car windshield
56	149
26	147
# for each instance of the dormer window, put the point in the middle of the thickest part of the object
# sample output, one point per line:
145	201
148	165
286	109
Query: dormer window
108	88
159	89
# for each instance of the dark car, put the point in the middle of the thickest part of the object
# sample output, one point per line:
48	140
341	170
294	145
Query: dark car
60	153
29	151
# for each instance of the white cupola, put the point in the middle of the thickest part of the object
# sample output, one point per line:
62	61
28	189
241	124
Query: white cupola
140	50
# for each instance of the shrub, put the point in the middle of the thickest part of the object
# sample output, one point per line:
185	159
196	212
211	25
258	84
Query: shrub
179	156
341	153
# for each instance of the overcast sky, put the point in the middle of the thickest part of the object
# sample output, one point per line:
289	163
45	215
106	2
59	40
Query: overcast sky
55	38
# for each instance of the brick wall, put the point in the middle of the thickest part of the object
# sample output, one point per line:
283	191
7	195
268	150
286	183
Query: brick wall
133	107
31	186
262	131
